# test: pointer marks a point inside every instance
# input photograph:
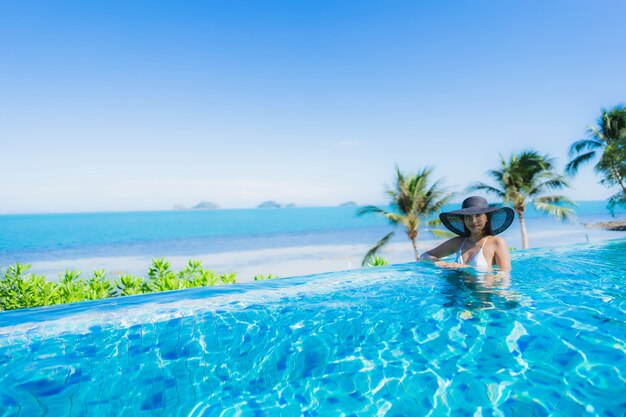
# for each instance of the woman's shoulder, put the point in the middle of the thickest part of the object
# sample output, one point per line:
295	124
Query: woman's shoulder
497	241
455	242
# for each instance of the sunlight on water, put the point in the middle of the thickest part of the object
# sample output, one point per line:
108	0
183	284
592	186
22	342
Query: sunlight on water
402	340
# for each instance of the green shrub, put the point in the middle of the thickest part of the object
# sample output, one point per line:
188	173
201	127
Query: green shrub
71	288
162	278
227	278
20	289
196	276
377	261
264	277
204	278
131	285
99	286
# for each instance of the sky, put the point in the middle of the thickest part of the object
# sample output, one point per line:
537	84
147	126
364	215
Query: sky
141	105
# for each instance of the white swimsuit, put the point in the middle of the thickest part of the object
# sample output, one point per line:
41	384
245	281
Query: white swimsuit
478	260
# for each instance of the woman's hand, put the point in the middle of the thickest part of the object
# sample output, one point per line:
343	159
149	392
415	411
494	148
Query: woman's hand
438	262
449	265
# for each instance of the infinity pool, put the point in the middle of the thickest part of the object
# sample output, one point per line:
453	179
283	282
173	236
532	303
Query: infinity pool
402	340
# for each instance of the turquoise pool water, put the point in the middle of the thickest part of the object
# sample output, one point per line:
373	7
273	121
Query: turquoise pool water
402	340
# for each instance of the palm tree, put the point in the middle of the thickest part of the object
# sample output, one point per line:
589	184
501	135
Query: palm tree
607	141
522	180
413	199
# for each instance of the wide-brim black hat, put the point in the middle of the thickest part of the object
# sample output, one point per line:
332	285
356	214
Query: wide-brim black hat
501	217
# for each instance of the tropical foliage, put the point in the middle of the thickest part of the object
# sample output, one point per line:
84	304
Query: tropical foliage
606	143
21	289
413	199
524	179
377	261
264	277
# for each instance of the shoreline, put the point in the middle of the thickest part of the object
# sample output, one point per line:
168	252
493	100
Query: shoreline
281	262
300	260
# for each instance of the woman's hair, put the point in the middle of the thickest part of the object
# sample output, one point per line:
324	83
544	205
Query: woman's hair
487	231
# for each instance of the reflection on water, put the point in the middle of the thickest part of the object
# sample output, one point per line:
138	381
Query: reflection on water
473	289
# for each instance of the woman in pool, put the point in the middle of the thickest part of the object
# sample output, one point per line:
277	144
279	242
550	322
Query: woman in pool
476	224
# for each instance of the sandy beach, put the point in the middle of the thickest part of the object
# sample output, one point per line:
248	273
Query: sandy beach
282	262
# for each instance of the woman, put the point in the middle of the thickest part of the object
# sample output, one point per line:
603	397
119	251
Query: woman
476	224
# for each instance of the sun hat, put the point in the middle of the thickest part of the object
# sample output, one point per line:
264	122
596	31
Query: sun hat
501	217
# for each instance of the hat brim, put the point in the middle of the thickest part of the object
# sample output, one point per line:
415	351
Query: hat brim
501	218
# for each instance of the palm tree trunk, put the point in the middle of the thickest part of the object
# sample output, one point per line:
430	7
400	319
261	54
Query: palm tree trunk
522	225
620	179
413	236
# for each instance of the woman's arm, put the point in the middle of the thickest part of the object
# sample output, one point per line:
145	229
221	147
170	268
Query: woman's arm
446	248
501	255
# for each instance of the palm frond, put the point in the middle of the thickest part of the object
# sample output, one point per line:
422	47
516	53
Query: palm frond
433	223
441	233
616	200
549	181
394	218
370	210
598	133
549	206
434	199
479	186
434	228
556	199
496	174
572	166
399	175
372	252
584	145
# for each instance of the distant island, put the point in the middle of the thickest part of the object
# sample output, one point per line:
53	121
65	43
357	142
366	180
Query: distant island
613	225
204	205
269	204
209	205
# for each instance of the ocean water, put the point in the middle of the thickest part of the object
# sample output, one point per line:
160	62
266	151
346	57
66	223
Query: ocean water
52	237
411	339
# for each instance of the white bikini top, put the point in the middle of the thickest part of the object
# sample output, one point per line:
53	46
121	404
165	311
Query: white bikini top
477	260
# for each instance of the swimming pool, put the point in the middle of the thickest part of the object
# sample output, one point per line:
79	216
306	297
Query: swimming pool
402	340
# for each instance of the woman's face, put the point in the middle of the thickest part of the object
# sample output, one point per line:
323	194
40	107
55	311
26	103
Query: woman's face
475	223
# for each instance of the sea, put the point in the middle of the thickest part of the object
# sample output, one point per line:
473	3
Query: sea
44	238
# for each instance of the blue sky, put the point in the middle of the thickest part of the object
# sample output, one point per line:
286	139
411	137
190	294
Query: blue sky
140	105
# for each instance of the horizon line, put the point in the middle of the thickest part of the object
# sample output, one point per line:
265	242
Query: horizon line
282	206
